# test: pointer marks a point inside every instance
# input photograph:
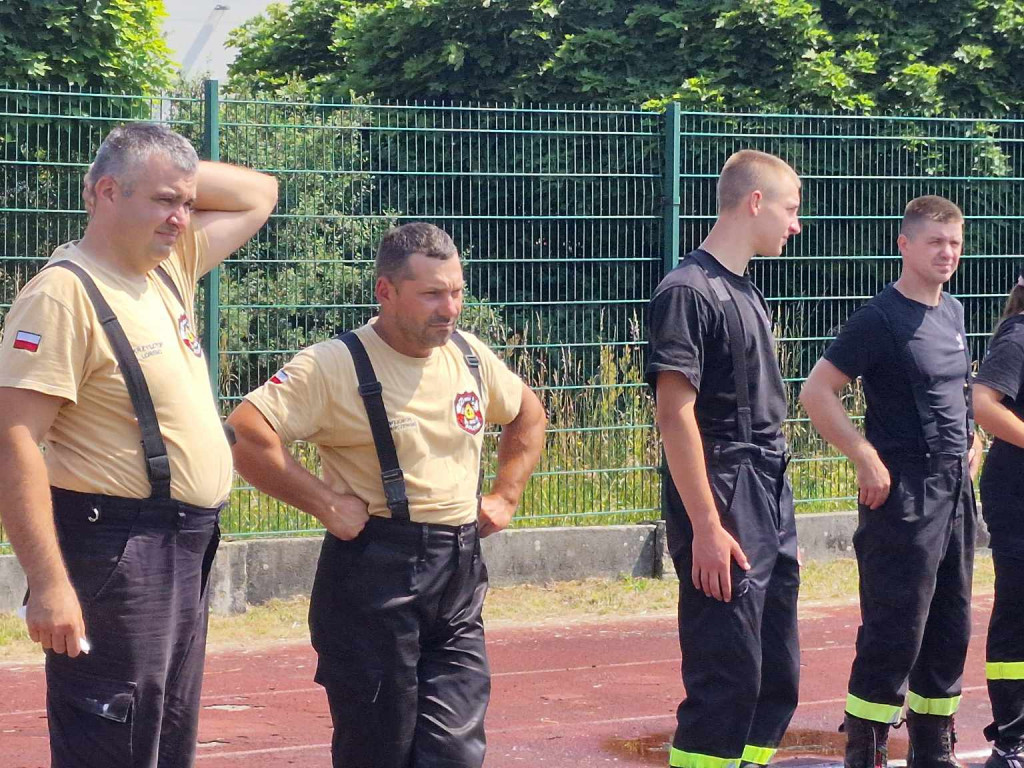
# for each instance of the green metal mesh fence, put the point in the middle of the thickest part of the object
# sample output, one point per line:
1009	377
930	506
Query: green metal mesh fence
858	173
561	217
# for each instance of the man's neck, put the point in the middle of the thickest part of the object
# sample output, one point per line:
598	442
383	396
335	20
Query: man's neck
728	244
391	336
918	290
101	248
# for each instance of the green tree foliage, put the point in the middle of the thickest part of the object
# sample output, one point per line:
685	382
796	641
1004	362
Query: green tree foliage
917	56
113	45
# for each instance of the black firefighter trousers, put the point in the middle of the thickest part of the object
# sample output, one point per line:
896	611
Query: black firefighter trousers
1004	650
915	554
395	618
140	569
741	659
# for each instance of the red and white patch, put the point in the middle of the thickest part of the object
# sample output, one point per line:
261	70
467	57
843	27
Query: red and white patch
468	413
279	378
188	336
27	341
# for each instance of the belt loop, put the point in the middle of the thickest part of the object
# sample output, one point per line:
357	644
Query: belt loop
180	519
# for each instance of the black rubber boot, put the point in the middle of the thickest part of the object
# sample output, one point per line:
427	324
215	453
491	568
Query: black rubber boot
932	741
867	743
1006	756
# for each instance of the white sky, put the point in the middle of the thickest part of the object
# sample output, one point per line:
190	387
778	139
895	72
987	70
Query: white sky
185	21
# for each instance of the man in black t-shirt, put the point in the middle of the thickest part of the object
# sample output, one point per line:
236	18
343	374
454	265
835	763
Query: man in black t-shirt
915	468
729	506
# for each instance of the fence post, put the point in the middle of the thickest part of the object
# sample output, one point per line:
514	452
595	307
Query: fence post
670	223
670	189
211	281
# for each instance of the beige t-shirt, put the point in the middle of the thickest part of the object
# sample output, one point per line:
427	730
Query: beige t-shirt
434	408
53	343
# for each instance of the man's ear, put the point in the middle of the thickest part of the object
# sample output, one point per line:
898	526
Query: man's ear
384	290
754	201
105	189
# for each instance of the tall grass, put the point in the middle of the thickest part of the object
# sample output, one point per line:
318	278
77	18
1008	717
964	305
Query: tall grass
601	457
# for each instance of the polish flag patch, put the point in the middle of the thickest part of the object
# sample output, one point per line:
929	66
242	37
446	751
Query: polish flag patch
27	341
279	378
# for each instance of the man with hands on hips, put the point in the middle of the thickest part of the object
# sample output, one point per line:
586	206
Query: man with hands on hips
397	410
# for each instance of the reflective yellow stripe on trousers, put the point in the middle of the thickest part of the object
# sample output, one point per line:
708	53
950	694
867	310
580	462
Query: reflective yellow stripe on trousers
922	706
679	759
1004	670
866	710
758	755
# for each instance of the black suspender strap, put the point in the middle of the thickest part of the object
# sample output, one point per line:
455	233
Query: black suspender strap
473	362
968	393
158	467
391	474
737	346
162	274
370	390
931	440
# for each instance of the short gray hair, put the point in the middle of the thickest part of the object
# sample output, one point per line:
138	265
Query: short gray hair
128	146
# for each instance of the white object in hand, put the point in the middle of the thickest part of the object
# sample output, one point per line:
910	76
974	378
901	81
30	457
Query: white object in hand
84	645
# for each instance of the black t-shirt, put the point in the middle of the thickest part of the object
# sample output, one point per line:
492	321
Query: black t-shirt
892	341
688	334
1002	482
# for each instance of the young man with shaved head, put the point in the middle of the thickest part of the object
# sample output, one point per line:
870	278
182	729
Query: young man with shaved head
916	462
732	533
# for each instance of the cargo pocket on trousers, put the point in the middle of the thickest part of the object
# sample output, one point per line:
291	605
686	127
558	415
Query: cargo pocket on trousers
373	712
94	555
91	719
747	517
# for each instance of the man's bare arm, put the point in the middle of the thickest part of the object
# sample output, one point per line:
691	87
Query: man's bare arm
519	449
820	398
714	548
232	204
262	458
54	616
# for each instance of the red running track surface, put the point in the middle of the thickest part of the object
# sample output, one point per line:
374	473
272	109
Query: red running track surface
564	695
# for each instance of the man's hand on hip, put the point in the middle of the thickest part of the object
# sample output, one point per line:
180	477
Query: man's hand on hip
344	516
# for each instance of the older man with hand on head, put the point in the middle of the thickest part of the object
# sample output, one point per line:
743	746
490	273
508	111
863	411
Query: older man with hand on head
115	524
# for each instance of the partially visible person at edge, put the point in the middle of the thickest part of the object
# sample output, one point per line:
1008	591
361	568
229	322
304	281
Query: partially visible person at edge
395	613
915	463
732	534
999	410
115	523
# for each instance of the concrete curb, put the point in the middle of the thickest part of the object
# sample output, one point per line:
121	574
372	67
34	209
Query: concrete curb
254	571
